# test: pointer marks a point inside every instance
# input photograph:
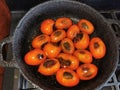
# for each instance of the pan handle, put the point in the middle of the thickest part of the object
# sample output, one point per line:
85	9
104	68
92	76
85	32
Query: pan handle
4	46
115	25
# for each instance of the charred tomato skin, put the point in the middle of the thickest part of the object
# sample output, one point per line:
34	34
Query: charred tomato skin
97	48
67	77
34	57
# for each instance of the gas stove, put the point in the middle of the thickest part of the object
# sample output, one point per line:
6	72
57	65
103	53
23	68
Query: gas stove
13	80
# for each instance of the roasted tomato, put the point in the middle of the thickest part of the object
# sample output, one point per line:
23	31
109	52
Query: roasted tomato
47	26
67	77
51	50
81	41
87	71
49	67
40	40
67	46
34	57
86	26
73	31
83	55
68	61
63	23
97	48
58	35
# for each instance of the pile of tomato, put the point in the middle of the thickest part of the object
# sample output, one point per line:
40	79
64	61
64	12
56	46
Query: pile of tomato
65	49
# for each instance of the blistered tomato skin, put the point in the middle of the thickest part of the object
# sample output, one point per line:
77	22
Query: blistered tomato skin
49	67
97	48
73	31
63	23
86	26
47	26
34	57
40	40
67	46
87	71
81	41
67	77
68	61
58	35
51	50
84	56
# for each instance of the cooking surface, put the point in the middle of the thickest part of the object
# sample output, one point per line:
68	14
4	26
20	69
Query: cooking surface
13	80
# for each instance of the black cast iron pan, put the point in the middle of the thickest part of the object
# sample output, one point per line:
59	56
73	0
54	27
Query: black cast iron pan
28	28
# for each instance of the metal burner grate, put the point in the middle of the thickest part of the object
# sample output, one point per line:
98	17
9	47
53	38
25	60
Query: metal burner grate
17	81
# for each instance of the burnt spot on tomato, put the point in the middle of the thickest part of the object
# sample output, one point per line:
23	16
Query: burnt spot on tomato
78	37
64	62
66	45
84	25
67	75
81	52
49	63
40	56
96	45
86	71
57	33
42	37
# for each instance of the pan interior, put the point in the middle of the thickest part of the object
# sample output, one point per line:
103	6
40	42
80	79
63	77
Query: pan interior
28	28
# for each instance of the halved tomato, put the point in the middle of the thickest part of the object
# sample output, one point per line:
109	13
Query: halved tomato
67	77
40	40
81	41
86	26
58	35
97	48
67	46
63	23
47	26
68	61
83	55
34	57
87	71
51	50
73	31
49	67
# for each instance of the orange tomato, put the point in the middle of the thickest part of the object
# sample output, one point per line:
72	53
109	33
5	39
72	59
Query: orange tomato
73	31
63	23
97	48
58	35
40	40
87	71
83	55
86	26
34	57
81	41
67	46
49	67
67	77
51	50
68	61
47	26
